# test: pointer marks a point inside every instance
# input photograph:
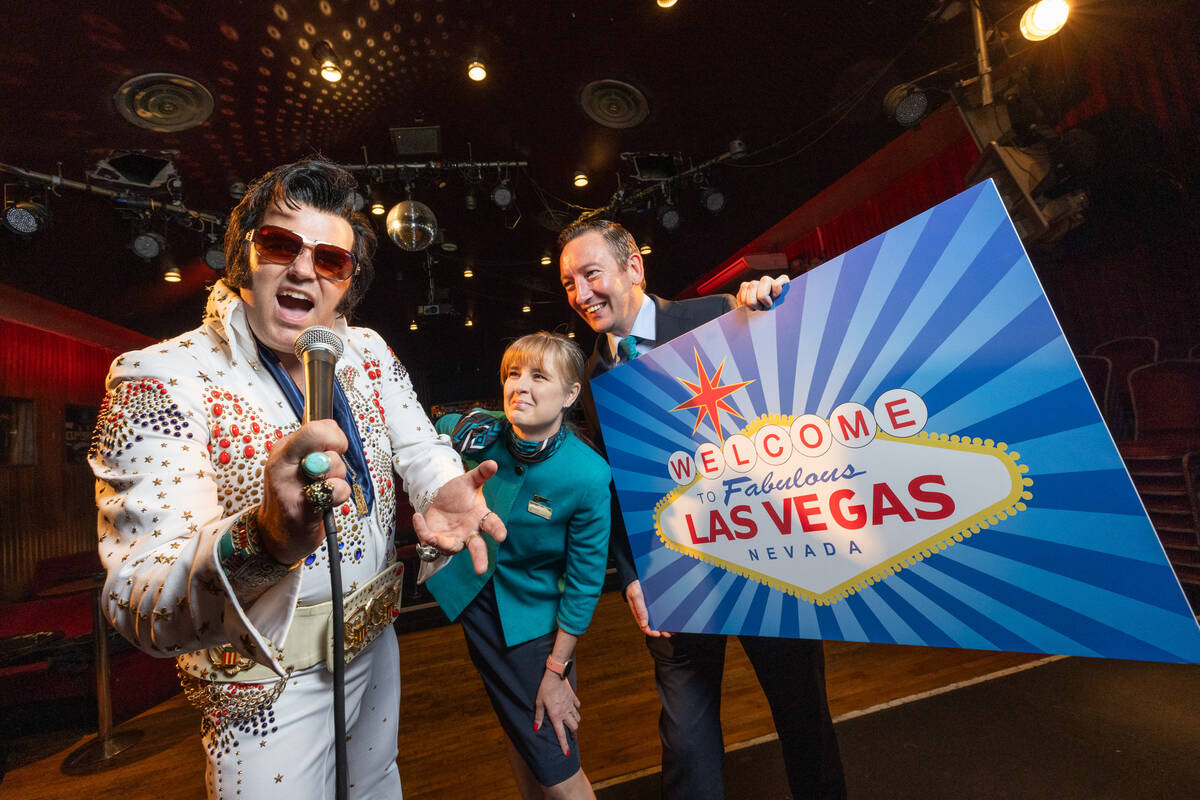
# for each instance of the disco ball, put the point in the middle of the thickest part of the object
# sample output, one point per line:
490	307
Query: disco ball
412	225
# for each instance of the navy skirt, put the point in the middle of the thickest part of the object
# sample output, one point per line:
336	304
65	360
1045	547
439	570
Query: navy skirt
512	676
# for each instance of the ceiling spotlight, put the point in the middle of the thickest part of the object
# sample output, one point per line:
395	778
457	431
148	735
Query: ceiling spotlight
713	200
645	250
503	195
468	273
666	3
378	208
412	225
172	274
906	104
581	178
25	218
476	71
1044	19
469	323
323	52
525	309
412	326
546	261
570	334
148	245
668	217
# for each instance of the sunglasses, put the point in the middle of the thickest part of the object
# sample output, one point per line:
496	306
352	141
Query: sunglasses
281	246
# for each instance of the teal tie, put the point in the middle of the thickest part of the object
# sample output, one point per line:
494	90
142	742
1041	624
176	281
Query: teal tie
628	348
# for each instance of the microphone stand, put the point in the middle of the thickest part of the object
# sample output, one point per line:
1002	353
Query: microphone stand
339	658
318	350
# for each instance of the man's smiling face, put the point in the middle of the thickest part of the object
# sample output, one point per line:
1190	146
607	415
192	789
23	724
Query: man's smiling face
605	293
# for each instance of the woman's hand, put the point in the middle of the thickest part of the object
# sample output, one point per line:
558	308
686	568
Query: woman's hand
556	700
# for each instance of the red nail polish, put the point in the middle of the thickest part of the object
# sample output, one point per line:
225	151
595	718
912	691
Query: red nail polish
535	727
568	751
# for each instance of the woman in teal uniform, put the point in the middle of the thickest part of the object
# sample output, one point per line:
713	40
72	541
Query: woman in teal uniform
524	615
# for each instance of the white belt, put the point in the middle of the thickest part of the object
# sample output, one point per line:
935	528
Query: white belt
367	612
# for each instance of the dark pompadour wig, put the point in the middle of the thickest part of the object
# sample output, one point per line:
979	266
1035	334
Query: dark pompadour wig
311	182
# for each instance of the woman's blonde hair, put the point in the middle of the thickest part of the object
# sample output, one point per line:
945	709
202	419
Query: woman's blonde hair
543	348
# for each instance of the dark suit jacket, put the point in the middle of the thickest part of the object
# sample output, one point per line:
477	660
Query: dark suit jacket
672	319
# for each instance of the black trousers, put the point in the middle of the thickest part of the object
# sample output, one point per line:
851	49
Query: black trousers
688	668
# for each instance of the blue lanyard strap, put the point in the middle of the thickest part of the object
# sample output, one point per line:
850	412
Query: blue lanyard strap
356	461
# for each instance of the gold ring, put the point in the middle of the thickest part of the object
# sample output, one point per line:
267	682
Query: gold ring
481	519
320	494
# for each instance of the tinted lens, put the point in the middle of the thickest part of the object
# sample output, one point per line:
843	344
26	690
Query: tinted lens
277	244
332	260
283	246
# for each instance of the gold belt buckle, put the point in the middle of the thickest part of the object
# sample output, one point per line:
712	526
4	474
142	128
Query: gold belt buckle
228	660
366	622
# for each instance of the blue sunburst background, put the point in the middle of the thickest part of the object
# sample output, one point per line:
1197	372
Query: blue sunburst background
947	305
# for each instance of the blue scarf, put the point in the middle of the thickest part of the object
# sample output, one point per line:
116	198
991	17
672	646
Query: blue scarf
356	461
477	430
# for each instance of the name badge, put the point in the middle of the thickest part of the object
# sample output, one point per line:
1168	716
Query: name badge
539	506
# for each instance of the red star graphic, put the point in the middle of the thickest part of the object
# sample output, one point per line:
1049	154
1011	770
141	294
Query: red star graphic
709	397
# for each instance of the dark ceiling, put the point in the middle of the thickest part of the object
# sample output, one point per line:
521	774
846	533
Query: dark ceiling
799	82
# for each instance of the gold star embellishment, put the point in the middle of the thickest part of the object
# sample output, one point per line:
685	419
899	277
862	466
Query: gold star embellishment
186	343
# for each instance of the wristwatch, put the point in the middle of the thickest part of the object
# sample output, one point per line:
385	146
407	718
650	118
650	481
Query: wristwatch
560	668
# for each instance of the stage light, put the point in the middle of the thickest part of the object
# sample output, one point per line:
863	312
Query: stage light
669	218
713	200
323	52
469	323
412	326
148	245
580	179
570	334
172	274
468	273
503	195
645	250
545	260
26	218
214	257
525	309
471	201
906	104
1044	19
378	209
411	225
666	3
476	71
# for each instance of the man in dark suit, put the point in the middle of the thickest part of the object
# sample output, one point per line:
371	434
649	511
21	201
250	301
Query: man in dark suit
604	278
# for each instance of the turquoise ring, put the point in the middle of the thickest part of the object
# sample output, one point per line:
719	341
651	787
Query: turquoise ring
315	465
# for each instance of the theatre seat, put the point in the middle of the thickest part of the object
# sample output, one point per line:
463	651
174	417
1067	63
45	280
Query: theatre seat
1164	460
1165	399
1126	353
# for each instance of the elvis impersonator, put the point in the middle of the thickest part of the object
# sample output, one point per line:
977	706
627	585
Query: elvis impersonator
212	538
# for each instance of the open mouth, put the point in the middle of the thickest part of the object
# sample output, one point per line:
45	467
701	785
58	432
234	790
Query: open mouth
593	308
293	305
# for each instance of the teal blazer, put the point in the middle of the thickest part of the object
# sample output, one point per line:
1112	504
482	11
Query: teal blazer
548	573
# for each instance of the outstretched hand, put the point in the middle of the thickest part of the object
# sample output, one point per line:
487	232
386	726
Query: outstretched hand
458	515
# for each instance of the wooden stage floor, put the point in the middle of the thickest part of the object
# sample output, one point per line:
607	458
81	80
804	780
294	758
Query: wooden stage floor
450	743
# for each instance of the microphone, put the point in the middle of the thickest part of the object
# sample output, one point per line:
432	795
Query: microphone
318	349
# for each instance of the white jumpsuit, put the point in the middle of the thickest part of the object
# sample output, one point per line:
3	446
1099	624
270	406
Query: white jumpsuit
178	454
